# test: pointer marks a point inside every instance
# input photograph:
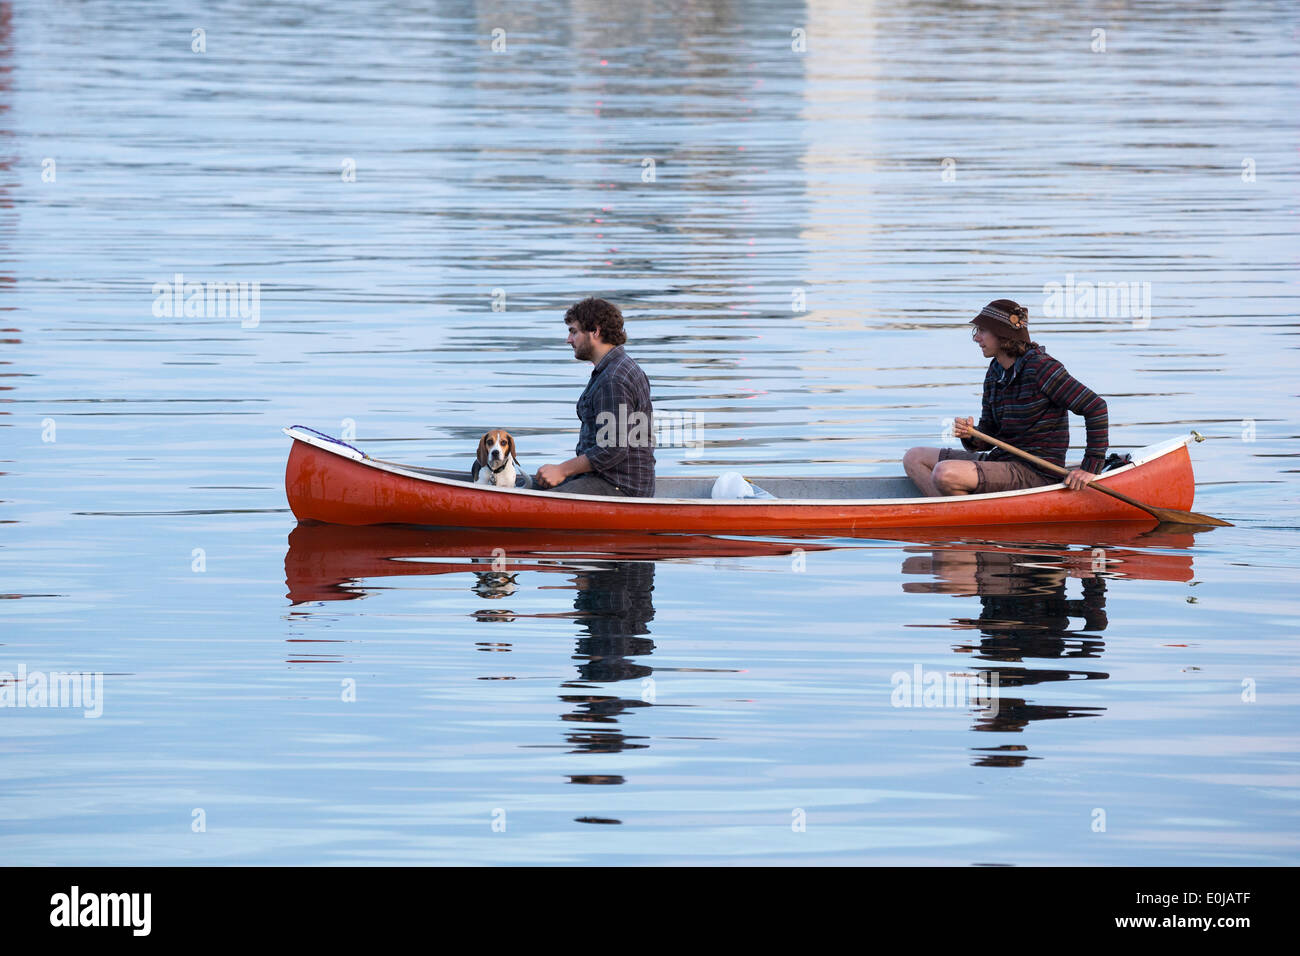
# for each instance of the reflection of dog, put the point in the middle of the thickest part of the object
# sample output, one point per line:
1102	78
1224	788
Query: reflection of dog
496	462
495	584
492	617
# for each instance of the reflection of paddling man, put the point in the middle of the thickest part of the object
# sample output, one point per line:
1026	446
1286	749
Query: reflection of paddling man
1024	614
1024	611
1027	395
615	451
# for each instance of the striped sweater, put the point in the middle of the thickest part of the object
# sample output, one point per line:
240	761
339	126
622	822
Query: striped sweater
1027	404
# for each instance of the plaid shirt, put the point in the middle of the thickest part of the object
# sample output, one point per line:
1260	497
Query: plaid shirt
619	447
1026	405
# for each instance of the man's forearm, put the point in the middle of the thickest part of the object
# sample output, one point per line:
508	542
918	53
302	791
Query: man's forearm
575	466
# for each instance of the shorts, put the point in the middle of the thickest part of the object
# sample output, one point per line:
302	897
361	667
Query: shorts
998	475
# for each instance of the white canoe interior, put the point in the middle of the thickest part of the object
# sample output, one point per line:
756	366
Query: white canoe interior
675	488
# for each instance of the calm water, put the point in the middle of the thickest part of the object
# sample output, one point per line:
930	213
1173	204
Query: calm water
797	266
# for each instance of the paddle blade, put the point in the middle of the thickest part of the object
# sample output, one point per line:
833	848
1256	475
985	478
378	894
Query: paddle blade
1170	516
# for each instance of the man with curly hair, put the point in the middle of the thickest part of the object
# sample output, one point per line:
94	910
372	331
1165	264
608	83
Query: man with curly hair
1027	398
615	451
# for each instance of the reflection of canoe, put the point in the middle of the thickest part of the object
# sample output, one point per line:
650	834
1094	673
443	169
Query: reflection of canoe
1024	537
1117	548
324	559
333	482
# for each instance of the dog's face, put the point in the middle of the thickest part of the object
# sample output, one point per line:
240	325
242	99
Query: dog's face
496	448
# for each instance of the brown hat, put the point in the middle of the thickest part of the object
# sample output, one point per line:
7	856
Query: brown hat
1005	319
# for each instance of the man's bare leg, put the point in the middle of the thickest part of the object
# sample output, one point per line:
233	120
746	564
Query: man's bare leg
956	477
919	464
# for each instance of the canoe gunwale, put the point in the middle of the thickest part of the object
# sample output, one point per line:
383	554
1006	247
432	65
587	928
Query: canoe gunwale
1142	456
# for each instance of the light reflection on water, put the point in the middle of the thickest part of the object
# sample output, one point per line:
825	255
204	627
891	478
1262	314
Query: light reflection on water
699	692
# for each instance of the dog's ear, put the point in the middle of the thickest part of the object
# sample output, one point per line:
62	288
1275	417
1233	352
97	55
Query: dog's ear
511	438
482	448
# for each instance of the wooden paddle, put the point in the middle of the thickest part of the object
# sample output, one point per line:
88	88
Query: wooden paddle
1163	515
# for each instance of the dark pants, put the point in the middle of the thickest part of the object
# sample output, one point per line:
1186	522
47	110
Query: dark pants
587	484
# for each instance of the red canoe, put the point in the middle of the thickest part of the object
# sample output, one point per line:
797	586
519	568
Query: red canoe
327	480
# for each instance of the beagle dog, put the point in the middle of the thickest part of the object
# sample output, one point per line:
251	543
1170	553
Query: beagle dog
496	463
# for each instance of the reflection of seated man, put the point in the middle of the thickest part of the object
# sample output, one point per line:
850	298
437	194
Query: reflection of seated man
615	451
615	607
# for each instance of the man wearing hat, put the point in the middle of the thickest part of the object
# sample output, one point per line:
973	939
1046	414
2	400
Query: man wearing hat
1027	398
